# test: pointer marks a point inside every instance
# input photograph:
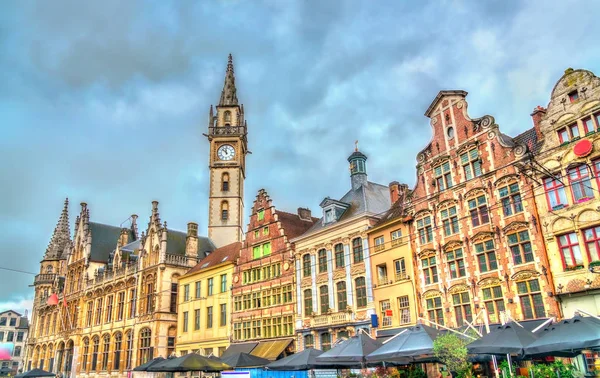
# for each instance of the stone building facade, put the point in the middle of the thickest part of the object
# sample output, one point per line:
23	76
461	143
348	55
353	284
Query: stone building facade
264	292
477	235
14	329
334	282
567	170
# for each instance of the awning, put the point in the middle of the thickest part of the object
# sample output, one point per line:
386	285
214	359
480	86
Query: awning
239	348
271	349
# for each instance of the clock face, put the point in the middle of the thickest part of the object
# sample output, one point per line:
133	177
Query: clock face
226	152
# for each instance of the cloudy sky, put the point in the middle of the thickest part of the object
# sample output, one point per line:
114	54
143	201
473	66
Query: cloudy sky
106	101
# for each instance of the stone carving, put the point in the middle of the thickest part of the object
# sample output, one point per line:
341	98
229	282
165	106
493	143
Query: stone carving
490	281
504	180
432	293
515	226
458	288
481	236
426	253
524	275
475	192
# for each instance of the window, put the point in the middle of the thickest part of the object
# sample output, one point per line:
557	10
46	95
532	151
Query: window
306	266
511	199
98	311
287	293
462	308
209	317
588	125
186	292
404	305
10	336
568	133
224	210
382	277
145	348
456	263
95	350
129	356
486	256
256	326
237	331
471	164
256	234
88	319
209	287
223	317
342	299
322	261
309	341
493	302
17	351
266	248
563	135
308	307
591	236
450	132
429	270
120	305
396	237
580	180
520	247
479	211
109	309
265	231
150	297
386	320
225	182
434	310
20	336
227	116
379	244
13	322
532	304
117	351
185	321
1	336
261	215
450	221
196	320
573	96
555	193
443	176
329	216
325	341
198	289
267	327
324	298
105	350
361	292
424	229
132	303
400	268
569	248
3	321
357	250
339	256
86	352
223	283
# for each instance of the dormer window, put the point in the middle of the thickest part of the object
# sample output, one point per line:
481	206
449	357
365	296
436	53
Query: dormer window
329	215
574	96
333	209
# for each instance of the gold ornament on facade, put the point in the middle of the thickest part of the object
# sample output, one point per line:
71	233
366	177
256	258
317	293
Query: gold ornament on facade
458	288
487	282
524	275
432	293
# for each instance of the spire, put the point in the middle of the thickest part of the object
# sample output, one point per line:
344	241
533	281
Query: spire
62	235
229	95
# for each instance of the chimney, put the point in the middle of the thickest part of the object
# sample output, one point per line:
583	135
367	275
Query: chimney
537	115
394	191
304	213
192	229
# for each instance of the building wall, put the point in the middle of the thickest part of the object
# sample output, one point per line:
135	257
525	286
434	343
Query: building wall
264	309
202	337
569	206
14	329
508	285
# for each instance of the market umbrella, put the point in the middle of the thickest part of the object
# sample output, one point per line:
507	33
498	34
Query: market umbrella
144	367
305	360
567	337
351	351
510	338
189	362
5	371
35	373
413	344
241	359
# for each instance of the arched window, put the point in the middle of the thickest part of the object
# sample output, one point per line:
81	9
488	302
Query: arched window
449	217
49	269
86	352
308	307
339	256
68	357
224	210
342	297
129	354
324	298
357	250
361	292
95	348
325	341
309	341
306	266
225	182
227	116
580	180
105	349
322	261
145	339
117	352
462	308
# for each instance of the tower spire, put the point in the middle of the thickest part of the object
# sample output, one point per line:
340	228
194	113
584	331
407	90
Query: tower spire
229	95
61	236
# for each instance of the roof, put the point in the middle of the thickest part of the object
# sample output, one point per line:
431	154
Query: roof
13	311
293	225
397	210
529	138
439	96
132	247
176	242
370	198
227	253
23	323
104	240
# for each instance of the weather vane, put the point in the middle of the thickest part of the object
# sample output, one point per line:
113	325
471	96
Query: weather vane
356	146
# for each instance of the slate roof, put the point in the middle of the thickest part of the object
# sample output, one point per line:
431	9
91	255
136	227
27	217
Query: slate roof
293	225
229	252
23	323
104	240
529	139
370	198
176	243
397	210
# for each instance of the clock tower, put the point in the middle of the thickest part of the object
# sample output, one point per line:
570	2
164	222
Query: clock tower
227	131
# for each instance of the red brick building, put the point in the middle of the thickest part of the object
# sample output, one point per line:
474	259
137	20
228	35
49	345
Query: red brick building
476	232
264	296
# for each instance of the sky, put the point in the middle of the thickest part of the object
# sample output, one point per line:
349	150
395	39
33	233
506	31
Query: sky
105	102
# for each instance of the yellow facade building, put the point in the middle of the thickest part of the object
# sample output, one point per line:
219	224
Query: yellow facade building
392	266
204	324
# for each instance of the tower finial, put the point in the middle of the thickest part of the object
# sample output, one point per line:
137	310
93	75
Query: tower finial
61	236
229	93
356	146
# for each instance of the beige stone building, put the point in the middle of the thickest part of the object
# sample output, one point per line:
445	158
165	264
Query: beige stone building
14	328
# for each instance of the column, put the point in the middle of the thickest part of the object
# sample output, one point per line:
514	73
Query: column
348	263
299	299
368	277
330	278
313	273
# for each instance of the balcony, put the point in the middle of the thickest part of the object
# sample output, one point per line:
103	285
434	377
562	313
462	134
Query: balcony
399	241
179	260
383	280
379	247
331	319
46	278
401	276
109	275
227	130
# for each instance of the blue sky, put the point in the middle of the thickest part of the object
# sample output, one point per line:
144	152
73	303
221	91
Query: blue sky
106	101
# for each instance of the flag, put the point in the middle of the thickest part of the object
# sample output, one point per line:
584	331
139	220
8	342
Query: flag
53	300
388	312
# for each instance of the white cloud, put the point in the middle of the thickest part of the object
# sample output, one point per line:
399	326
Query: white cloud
19	305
